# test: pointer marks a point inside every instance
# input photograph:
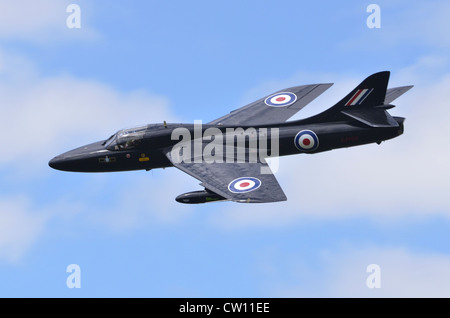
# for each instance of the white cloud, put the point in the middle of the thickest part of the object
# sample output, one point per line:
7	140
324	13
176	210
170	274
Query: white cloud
42	116
24	16
120	203
20	227
344	273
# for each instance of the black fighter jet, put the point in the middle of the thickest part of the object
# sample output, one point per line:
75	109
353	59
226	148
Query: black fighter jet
228	155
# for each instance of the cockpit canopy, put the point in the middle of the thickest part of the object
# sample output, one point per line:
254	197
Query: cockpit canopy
126	138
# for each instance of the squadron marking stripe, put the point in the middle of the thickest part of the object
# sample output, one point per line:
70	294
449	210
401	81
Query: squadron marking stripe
364	96
359	97
353	98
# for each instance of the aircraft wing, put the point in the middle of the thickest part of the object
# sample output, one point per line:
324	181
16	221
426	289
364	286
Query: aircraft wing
240	182
275	108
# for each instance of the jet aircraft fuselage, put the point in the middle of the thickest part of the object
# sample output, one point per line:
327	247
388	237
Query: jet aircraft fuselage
115	154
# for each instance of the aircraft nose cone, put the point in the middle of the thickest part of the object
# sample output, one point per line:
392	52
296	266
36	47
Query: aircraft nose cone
56	163
81	159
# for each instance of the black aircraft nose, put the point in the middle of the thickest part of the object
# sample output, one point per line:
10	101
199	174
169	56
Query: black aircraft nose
57	163
81	159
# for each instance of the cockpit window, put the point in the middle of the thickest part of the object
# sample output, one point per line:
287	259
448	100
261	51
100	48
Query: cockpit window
126	139
109	140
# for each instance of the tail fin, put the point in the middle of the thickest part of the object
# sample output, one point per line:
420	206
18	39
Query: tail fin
365	103
371	92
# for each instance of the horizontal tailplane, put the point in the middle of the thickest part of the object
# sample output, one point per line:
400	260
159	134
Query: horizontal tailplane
373	117
396	92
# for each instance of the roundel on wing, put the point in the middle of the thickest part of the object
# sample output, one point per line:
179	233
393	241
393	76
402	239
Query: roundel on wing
244	184
281	99
306	140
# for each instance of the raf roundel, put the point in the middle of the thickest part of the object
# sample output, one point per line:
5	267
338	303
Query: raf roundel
244	184
306	140
281	99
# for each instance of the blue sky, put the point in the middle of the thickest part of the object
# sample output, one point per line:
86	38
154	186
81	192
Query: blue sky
148	61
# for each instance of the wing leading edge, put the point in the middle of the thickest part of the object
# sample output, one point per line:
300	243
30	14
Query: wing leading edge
275	108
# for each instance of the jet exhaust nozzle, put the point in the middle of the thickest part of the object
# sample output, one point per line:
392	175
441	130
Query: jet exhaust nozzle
203	196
